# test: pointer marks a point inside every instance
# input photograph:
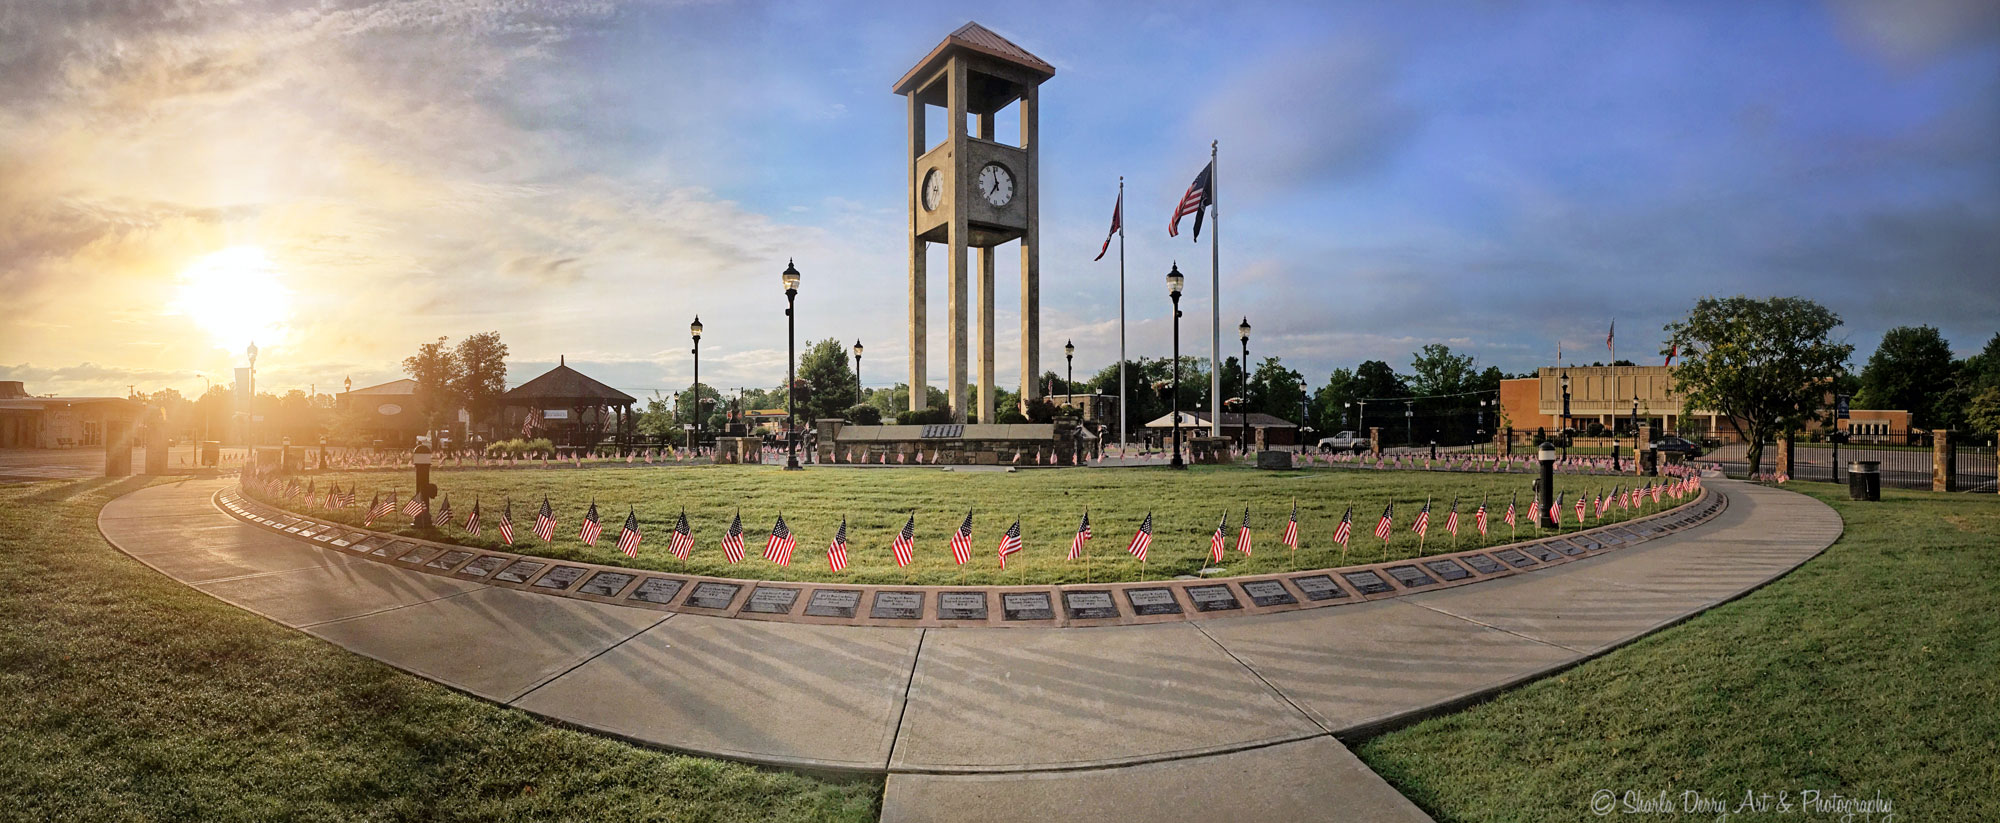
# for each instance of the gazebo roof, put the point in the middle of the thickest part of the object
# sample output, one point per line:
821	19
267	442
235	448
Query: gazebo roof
563	386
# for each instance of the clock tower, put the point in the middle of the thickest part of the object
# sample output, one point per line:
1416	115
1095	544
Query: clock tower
971	191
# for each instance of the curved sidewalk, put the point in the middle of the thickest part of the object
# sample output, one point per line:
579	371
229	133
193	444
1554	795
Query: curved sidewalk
1131	721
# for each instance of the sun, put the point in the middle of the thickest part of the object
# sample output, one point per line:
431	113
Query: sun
235	295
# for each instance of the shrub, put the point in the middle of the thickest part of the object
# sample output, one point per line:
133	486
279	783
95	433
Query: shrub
1011	416
864	415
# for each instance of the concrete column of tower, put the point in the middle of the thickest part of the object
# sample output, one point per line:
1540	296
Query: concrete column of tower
1031	259
919	309
955	121
984	122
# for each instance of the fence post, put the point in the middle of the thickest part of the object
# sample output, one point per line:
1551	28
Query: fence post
1783	465
1944	462
1375	441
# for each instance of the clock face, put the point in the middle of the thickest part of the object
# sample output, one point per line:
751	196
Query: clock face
933	190
996	184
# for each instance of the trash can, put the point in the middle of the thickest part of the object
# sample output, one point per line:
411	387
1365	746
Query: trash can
211	453
1864	480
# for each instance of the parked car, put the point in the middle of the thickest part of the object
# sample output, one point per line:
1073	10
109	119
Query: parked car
1672	444
1344	441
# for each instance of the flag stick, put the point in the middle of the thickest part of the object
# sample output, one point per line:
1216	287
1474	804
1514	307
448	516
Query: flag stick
1121	332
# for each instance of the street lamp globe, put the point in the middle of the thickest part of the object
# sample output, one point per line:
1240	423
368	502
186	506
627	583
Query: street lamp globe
695	327
791	277
1243	329
1175	281
857	349
1069	349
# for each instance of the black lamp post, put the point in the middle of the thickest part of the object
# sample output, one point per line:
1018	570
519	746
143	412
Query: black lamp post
857	372
1305	397
791	279
1243	389
1410	421
1565	388
1635	432
1174	283
1069	375
1546	489
694	330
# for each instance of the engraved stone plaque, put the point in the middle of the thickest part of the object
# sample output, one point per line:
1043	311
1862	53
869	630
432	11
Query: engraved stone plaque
712	595
449	559
1583	542
606	584
1368	582
1513	558
395	549
833	603
1268	593
349	539
1626	533
1483	564
561	577
897	606
771	600
1543	552
657	590
422	554
483	566
1319	587
1153	601
961	605
1447	570
1410	576
1610	537
1215	598
519	572
1091	605
1027	606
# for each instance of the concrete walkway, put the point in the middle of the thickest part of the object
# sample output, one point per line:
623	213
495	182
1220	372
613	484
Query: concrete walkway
1127	723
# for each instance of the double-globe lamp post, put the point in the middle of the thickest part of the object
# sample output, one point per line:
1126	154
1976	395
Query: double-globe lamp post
1174	283
694	330
791	278
857	372
1243	390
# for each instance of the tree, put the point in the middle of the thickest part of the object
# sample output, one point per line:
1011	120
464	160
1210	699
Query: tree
1277	391
684	403
1982	412
1330	412
436	370
1764	364
826	371
482	377
1913	369
1435	370
1375	379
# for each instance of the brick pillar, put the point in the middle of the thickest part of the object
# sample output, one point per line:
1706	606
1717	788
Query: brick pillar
1784	462
1944	463
1507	443
1375	440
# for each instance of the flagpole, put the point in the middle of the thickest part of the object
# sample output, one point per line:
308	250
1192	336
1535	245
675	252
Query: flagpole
1121	331
1214	300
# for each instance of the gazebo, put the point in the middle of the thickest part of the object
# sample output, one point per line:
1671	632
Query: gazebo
570	408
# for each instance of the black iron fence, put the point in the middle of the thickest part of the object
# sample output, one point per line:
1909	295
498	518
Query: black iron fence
1906	458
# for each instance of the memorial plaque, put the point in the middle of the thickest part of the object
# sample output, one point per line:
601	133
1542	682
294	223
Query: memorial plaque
1483	564
1513	558
1626	533
311	529
395	549
484	566
327	535
933	431
1213	598
560	577
606	584
1544	552
961	605
1368	582
1268	593
1319	587
1027	606
1610	537
520	571
712	595
1153	601
1092	605
771	600
365	545
1576	545
897	606
657	590
1410	576
833	603
449	559
422	554
1447	570
349	539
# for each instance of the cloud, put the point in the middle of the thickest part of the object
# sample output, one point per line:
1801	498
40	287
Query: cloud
1916	32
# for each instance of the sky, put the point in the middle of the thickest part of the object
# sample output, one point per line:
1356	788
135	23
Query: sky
343	181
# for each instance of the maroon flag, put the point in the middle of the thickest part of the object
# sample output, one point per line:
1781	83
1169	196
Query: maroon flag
1117	222
1200	195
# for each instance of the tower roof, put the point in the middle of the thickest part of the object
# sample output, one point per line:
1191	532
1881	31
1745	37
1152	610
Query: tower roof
565	385
977	39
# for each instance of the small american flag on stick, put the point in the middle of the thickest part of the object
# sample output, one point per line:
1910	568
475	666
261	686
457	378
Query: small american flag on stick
1215	540
836	552
472	519
591	527
443	515
1082	537
1451	517
629	537
378	507
905	541
507	523
1345	529
1479	517
778	547
545	522
961	542
1292	527
683	539
1243	534
1387	525
1010	542
732	540
1423	525
1142	540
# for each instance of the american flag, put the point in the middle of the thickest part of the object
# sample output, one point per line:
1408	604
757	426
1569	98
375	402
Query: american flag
1082	537
1010	542
1243	534
682	542
836	552
1292	527
443	515
1423	525
1142	540
961	543
1479	517
472	519
1117	222
312	490
1579	510
629	537
416	506
1451	517
545	522
291	487
347	497
1534	509
1199	196
1215	540
905	541
1556	510
378	507
1387	524
1345	529
332	496
591	527
778	547
732	540
507	523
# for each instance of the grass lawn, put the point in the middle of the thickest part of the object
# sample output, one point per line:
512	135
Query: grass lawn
1185	506
127	696
1874	668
